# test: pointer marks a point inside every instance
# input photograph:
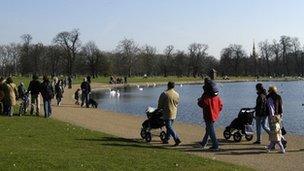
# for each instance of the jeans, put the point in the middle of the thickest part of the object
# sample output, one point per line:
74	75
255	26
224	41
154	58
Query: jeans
261	122
47	108
7	109
210	132
85	99
170	130
35	104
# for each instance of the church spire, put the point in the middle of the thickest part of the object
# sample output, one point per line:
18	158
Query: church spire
254	54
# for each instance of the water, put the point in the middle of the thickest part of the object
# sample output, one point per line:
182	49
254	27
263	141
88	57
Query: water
234	95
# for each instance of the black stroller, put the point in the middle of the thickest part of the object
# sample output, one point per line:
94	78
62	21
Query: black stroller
242	125
154	121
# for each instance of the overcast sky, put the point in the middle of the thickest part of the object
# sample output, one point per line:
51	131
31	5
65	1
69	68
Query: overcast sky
154	22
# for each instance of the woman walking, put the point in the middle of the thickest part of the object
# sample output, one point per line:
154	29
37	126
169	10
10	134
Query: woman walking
275	111
10	97
47	93
260	112
59	92
212	105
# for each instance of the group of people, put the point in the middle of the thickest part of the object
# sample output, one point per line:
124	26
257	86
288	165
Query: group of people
83	93
267	106
10	93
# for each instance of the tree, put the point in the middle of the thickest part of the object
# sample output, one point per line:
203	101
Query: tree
286	48
70	42
92	56
166	60
148	59
25	61
197	53
266	54
128	51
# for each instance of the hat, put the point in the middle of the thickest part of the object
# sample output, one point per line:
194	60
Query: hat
273	89
210	87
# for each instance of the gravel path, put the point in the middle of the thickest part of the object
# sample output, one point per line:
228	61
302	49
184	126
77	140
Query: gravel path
128	126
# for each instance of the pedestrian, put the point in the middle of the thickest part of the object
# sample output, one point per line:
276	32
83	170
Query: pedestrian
260	112
76	96
212	105
69	82
85	92
1	94
59	90
168	102
10	96
21	90
47	93
34	90
275	113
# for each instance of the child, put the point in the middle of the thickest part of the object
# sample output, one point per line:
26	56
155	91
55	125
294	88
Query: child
76	96
275	135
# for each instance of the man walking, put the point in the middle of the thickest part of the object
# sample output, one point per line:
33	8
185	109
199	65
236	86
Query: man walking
34	89
168	102
85	90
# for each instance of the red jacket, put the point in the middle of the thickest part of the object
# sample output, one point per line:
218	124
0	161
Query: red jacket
212	105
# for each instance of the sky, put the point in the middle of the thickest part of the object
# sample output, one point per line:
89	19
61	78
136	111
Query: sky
158	23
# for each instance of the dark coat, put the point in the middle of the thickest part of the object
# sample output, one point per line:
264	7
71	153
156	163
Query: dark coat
261	105
58	91
47	90
85	87
34	87
277	103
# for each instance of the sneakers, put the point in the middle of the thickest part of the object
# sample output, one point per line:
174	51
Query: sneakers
214	149
203	146
177	142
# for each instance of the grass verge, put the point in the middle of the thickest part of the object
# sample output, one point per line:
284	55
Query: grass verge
32	143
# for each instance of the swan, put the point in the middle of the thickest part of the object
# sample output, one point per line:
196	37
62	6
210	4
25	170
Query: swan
112	92
137	86
154	85
181	85
141	89
117	93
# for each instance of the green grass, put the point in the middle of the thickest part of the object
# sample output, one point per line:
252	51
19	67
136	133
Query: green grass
31	143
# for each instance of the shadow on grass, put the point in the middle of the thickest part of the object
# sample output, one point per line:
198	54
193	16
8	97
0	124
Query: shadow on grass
122	142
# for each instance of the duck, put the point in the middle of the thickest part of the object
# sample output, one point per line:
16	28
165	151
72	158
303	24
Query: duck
117	93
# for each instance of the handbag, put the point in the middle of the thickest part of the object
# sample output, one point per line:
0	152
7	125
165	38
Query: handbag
283	131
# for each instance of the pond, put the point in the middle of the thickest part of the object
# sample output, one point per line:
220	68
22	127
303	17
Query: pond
236	95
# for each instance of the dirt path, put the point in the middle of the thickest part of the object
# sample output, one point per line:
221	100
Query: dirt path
128	126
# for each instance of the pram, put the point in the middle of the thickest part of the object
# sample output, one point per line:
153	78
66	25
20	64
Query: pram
154	121
24	104
242	125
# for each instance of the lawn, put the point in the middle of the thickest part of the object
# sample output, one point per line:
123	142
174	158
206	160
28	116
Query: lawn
31	143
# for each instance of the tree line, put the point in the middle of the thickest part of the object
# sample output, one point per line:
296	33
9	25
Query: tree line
67	55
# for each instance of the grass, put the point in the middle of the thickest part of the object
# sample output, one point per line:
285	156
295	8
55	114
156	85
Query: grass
32	143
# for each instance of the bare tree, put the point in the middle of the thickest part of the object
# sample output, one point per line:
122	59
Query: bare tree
166	62
128	50
266	54
286	48
197	53
148	59
92	57
70	42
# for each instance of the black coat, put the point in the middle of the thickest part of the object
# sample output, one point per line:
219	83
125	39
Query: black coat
34	87
261	105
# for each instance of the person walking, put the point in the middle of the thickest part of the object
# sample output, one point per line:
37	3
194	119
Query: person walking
260	112
34	89
59	92
85	92
168	102
70	82
47	93
1	94
275	113
212	105
10	97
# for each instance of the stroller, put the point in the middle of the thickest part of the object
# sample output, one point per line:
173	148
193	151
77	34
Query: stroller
154	121
241	126
24	104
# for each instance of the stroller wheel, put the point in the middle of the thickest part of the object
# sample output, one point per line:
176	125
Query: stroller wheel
237	136
143	133
249	137
162	136
148	137
227	134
